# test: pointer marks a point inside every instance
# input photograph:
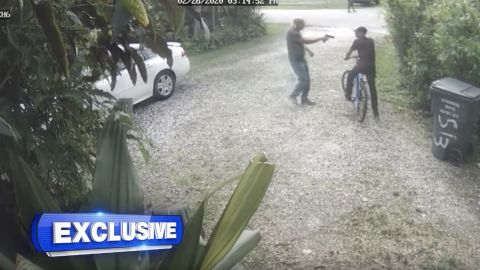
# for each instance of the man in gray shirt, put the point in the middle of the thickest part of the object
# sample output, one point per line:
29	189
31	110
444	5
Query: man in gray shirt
296	55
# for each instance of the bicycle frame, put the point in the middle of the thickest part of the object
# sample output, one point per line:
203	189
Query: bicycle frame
360	97
358	89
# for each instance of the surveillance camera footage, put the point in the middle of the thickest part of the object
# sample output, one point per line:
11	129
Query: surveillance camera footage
240	134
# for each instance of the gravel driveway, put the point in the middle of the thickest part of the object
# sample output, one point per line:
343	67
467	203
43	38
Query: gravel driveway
344	196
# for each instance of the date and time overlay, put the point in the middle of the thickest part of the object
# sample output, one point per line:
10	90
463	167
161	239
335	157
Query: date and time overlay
227	2
5	13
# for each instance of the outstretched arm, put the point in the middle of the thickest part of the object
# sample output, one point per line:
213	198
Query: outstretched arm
349	53
315	40
352	49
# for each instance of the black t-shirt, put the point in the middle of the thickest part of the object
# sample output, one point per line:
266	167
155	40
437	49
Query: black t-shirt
366	52
296	50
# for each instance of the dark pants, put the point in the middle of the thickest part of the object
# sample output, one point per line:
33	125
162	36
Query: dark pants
370	73
300	67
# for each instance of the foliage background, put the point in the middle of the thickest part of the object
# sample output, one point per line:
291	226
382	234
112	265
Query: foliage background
228	25
434	39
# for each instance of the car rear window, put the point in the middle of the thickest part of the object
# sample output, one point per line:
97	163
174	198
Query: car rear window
147	54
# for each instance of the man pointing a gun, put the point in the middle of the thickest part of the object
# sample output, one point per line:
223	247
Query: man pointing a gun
296	56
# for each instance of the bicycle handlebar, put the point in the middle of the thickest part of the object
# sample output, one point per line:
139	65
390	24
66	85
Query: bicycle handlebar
356	57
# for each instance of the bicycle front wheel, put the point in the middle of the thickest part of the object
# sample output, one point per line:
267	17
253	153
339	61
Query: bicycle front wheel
363	102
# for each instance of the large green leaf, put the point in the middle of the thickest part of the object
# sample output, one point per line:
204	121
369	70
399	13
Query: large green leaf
7	130
31	195
115	183
24	264
136	8
126	57
183	256
33	198
140	63
186	213
242	205
44	12
247	241
156	43
175	12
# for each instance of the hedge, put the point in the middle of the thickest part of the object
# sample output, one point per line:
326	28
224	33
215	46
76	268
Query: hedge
434	39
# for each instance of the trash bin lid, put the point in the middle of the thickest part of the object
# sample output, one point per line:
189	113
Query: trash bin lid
457	87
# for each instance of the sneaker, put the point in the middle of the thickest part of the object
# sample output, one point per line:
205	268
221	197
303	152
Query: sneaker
376	118
308	102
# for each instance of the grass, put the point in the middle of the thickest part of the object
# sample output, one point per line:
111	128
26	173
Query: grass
273	31
391	85
389	79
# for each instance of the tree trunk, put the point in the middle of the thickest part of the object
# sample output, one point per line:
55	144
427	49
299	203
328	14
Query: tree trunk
197	28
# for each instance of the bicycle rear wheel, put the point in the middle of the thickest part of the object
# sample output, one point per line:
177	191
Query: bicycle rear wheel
344	81
363	102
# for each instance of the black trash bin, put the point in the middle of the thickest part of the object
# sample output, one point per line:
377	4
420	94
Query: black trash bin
455	108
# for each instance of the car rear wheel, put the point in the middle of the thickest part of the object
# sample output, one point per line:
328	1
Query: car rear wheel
164	85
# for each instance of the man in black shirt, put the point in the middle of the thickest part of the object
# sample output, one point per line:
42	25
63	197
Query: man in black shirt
366	65
296	56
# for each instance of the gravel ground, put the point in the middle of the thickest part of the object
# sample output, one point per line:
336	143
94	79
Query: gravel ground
344	196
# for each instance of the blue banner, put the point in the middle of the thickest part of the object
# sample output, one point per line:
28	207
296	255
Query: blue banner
94	233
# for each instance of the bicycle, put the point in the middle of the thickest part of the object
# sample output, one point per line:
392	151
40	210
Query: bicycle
360	92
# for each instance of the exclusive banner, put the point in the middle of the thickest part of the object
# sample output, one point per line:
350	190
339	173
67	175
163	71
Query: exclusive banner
96	233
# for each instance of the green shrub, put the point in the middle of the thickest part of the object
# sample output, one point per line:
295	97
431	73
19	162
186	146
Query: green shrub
434	39
234	24
404	18
456	38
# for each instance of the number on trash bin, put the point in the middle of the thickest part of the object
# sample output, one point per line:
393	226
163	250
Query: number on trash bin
449	135
444	125
441	143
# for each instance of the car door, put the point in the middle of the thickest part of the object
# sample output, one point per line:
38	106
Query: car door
154	65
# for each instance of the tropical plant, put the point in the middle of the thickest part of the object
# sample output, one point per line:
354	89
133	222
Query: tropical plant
46	95
114	171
